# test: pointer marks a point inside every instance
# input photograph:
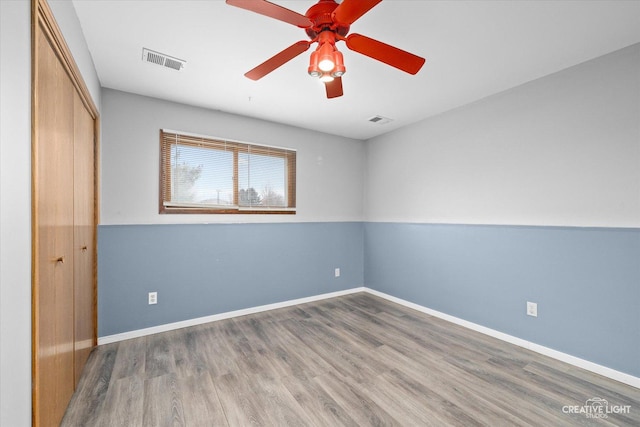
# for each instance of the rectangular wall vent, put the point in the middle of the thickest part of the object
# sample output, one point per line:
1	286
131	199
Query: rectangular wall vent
163	60
380	120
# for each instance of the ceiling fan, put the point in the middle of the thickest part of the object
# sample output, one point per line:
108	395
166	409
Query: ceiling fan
327	23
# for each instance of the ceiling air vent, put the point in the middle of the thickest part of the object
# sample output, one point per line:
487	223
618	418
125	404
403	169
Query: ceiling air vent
162	59
380	120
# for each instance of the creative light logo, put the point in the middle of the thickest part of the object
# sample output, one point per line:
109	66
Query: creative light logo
597	407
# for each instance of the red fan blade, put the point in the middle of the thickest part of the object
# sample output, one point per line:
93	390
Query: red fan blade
278	60
350	10
383	52
271	10
334	87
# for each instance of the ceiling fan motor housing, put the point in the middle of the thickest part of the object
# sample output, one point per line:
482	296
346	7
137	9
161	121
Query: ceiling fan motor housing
320	14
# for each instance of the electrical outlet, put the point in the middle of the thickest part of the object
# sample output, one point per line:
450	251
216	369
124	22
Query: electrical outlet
337	272
153	297
532	309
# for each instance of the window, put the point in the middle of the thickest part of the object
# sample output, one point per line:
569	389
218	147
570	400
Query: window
206	175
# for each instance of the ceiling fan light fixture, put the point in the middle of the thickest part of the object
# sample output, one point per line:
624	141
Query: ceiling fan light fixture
326	57
326	78
326	64
314	71
339	68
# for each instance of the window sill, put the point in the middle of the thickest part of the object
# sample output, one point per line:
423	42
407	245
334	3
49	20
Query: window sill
232	211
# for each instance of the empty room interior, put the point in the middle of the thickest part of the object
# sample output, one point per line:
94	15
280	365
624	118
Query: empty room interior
320	213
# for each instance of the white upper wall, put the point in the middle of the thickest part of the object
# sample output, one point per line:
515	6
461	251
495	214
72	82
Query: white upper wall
15	213
330	169
560	150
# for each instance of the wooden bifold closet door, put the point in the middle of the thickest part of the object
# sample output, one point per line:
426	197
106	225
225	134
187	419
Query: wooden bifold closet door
64	221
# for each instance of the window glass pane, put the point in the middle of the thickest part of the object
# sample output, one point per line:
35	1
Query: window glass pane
262	180
201	175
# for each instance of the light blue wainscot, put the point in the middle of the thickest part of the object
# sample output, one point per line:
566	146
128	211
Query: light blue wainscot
206	269
586	282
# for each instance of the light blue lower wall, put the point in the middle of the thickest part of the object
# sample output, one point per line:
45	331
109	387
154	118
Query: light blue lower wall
586	282
205	269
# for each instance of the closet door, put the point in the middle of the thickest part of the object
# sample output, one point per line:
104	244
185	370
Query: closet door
64	123
53	233
84	234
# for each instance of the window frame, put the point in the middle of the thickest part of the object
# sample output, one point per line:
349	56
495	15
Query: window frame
235	147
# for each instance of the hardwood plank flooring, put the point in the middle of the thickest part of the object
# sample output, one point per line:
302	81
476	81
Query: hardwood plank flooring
356	360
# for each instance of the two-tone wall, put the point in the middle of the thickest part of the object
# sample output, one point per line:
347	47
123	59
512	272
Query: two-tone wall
532	194
203	265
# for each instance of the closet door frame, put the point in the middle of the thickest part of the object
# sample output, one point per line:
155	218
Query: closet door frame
43	21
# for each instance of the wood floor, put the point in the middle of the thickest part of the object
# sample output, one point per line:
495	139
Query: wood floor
356	360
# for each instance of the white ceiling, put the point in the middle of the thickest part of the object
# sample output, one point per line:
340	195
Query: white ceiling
473	49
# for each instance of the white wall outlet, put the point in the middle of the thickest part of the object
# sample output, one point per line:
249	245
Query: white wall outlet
337	272
153	297
532	309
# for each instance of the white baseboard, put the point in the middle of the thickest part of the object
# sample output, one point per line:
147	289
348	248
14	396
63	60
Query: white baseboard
558	355
200	320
